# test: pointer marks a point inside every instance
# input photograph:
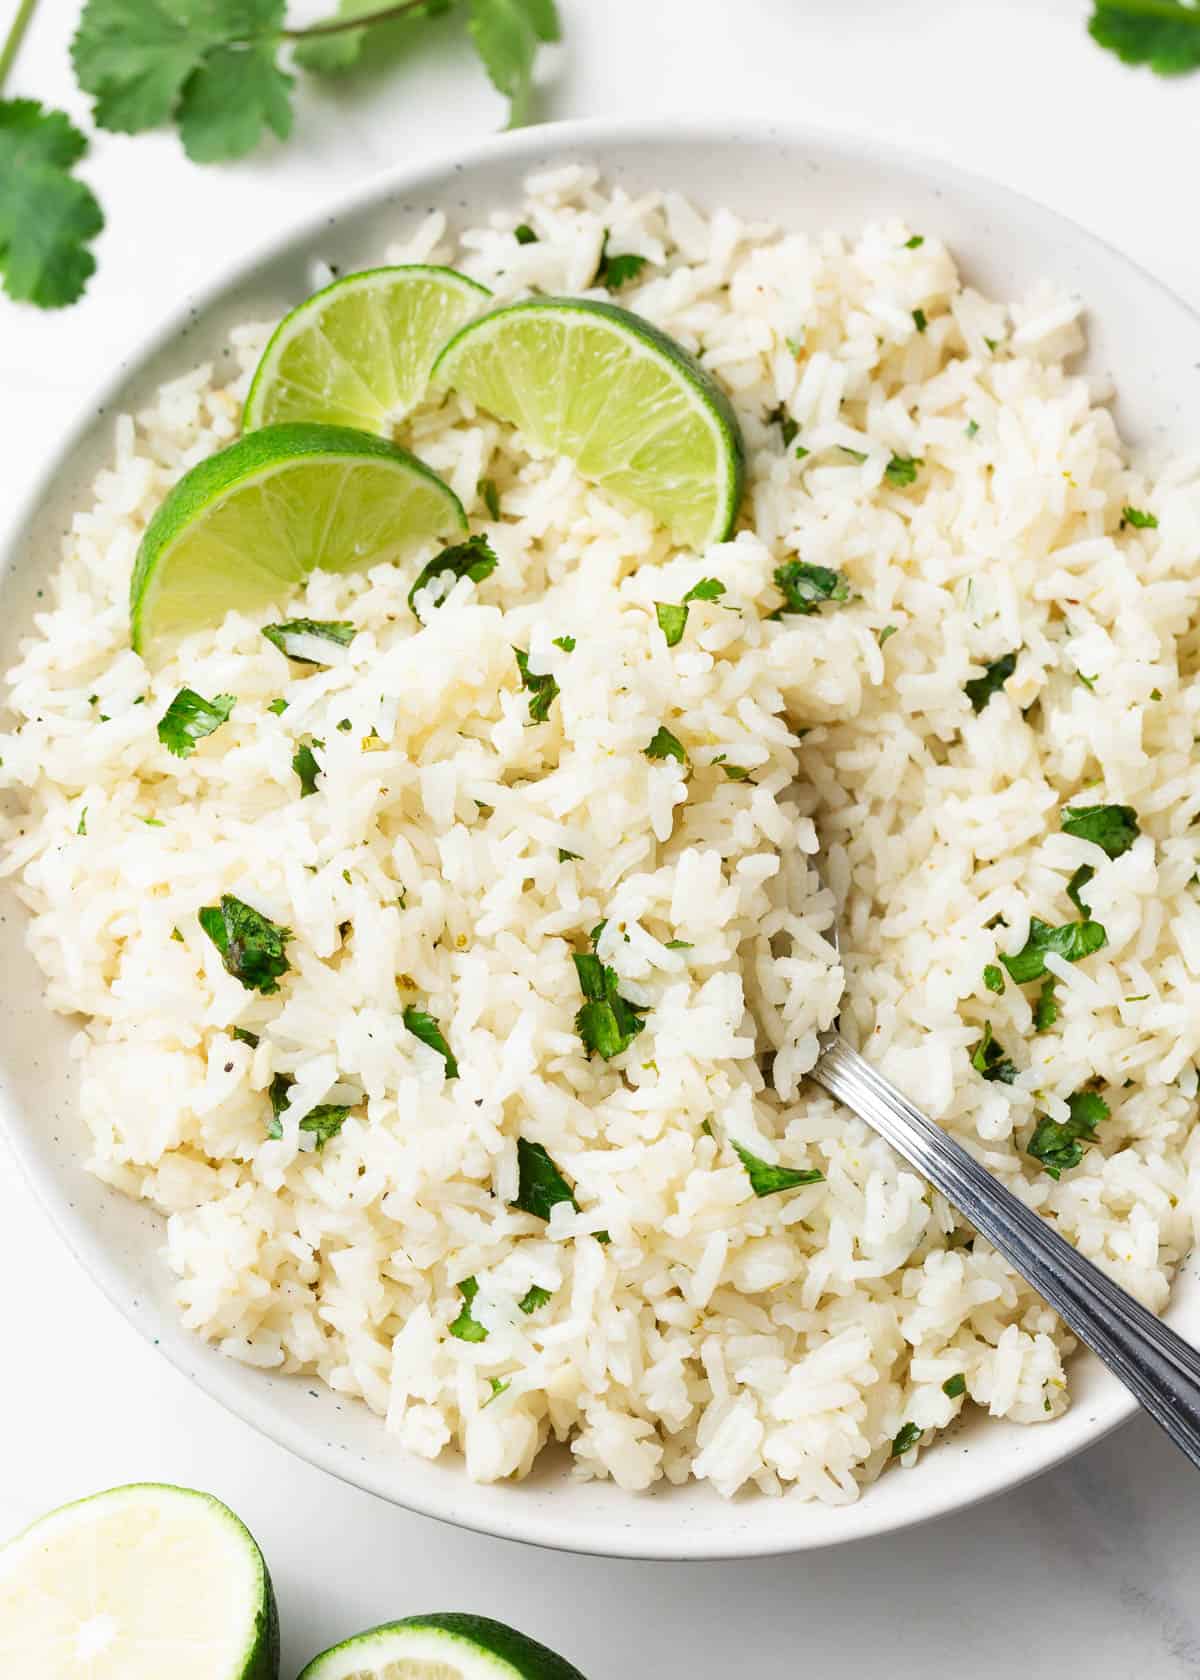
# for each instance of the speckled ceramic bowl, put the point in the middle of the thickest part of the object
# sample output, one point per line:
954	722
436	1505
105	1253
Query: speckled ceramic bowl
1140	335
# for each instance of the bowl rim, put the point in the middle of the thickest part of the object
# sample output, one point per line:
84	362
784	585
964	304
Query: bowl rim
530	147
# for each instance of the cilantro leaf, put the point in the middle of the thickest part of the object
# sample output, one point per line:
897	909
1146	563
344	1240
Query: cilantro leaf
806	587
564	856
1079	880
424	1027
1165	35
190	717
541	1185
306	767
245	1036
920	320
672	619
989	1059
333	52
1135	517
1045	1010
906	1438
543	690
322	1123
524	234
789	430
617	271
1073	941
954	1386
980	689
466	1326
489	496
607	1022
285	636
507	34
767	1180
211	67
663	744
475	559
1113	828
534	1297
251	944
47	217
915	243
993	978
902	470
1058	1144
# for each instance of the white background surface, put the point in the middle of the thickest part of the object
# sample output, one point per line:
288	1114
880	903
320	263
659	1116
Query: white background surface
1094	1565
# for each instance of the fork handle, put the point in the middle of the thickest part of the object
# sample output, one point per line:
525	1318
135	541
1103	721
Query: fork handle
1158	1367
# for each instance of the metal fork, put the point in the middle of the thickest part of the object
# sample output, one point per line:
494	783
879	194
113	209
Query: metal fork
1159	1368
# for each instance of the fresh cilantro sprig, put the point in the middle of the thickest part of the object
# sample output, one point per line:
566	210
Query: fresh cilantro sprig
466	1326
1058	1144
1161	34
252	946
607	1023
990	1059
672	617
190	717
1113	828
541	687
47	217
1073	941
475	559
540	1185
979	690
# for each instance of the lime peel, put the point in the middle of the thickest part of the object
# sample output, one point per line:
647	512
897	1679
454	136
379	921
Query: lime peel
448	1645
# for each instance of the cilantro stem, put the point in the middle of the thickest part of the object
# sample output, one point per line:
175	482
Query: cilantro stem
336	26
16	34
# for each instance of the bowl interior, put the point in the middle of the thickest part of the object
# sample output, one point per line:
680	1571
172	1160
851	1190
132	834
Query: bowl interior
1141	337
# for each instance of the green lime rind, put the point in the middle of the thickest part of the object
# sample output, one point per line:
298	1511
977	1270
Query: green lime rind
360	351
468	1647
634	411
243	528
110	1527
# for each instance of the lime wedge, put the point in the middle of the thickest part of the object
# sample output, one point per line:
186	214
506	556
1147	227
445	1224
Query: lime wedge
440	1647
137	1584
244	527
359	352
632	409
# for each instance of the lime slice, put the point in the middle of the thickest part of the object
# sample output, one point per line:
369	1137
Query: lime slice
631	408
359	352
440	1647
244	527
137	1584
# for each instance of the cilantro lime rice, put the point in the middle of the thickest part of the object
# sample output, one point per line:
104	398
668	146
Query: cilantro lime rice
447	972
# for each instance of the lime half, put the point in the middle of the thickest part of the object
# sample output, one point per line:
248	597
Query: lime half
359	352
632	409
244	527
137	1584
440	1647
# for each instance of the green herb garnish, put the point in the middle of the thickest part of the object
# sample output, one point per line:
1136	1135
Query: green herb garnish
954	1386
768	1180
466	1326
321	1123
886	634
542	688
1139	520
805	587
1072	942
906	1438
607	1023
283	636
534	1297
541	1185
980	689
1045	1010
251	945
48	218
680	945
614	272
788	428
490	496
663	744
1162	34
1058	1144
424	1027
989	1059
1079	880
243	1034
972	428
475	559
993	978
672	619
915	243
566	643
81	825
1113	828
524	234
564	856
305	765
190	717
902	470
278	707
920	320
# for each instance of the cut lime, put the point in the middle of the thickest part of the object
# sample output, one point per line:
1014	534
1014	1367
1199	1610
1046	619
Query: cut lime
243	528
137	1584
446	1646
631	408
359	352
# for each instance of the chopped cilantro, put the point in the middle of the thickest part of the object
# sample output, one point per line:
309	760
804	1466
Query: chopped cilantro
540	1184
1113	828
1079	880
542	688
915	243
498	1387
1156	694
767	1180
980	689
972	428
680	945
788	428
1058	1144
920	320
251	945
278	707
283	636
800	452
305	765
954	1386
475	559
856	455
345	726
81	826
993	978
524	234
672	619
47	217
735	772
424	1027
906	1438
466	1326
244	1035
1139	520
190	717
1045	1010
490	496
993	344
902	470
614	272
989	1059
322	1123
886	634
534	1297
806	587
1073	941
663	744
178	938
566	643
564	856
607	1023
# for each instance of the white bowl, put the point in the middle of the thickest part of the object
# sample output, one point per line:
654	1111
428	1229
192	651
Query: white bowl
1144	337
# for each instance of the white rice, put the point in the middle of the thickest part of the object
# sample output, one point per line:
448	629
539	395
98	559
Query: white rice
781	1341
